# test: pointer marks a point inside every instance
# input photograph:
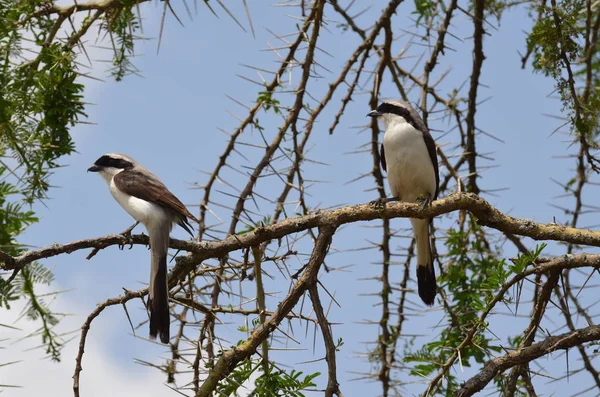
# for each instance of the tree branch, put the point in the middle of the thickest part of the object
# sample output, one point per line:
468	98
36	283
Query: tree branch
521	356
485	213
478	58
333	387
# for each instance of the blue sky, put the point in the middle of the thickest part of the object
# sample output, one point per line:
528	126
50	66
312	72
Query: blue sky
169	120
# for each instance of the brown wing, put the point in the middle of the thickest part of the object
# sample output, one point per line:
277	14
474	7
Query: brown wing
150	188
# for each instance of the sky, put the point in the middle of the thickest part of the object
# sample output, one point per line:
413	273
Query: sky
169	119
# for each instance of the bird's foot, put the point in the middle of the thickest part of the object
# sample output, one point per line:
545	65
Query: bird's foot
382	201
424	200
127	234
379	203
128	240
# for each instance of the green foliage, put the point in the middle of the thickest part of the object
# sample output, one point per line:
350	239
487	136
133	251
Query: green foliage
14	218
241	373
275	383
339	344
473	277
523	260
266	98
424	9
548	41
122	24
280	383
8	293
37	308
556	42
38	107
41	98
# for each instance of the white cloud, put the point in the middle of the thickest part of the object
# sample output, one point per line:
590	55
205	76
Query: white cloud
103	373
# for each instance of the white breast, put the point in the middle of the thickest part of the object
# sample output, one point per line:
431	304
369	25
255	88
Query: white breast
149	214
409	167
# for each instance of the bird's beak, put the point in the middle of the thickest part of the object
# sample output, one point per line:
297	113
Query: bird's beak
374	113
94	168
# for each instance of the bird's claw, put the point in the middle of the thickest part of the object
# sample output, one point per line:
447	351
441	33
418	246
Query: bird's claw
129	241
382	201
379	203
424	201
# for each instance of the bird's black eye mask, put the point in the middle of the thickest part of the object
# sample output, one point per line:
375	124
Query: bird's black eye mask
393	109
107	161
399	111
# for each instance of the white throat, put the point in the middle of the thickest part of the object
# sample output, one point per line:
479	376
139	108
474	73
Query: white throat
109	173
392	120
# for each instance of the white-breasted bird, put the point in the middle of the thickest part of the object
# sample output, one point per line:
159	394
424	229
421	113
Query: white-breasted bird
409	157
143	195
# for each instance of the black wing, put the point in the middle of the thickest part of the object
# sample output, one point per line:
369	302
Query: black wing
382	158
416	121
430	143
138	184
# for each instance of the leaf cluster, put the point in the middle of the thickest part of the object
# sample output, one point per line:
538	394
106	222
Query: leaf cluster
41	98
473	279
276	382
558	42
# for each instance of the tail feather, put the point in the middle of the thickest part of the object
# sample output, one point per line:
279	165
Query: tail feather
158	292
185	224
425	269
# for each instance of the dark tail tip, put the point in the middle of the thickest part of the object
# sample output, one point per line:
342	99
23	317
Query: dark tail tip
427	284
160	321
158	299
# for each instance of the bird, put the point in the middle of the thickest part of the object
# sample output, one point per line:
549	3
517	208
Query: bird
408	155
145	197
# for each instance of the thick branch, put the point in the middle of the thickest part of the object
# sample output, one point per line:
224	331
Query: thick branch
66	11
486	214
549	345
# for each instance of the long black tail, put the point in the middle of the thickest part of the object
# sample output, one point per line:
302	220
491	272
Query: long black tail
158	292
425	269
427	284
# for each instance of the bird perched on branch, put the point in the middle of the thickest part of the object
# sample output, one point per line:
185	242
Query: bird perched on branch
143	195
408	155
